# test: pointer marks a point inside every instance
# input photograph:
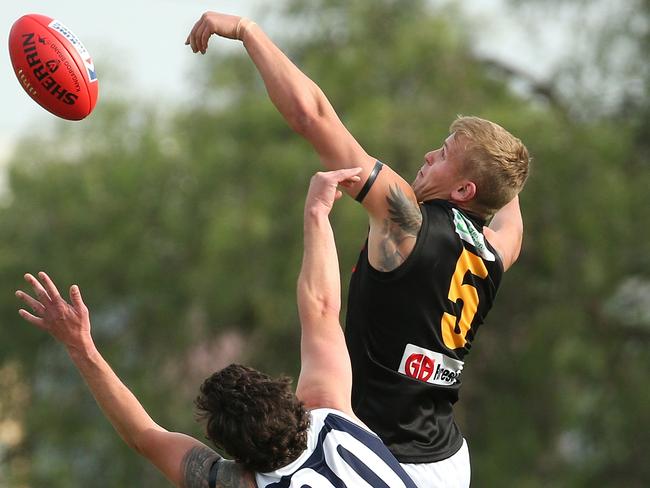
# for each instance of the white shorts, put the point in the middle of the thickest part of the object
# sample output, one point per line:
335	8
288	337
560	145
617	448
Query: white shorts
453	472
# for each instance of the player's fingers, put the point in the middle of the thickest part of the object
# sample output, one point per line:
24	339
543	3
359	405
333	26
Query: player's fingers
35	305
338	194
75	298
192	31
50	287
343	174
37	321
187	41
199	34
353	180
196	37
189	36
205	38
42	295
192	37
352	171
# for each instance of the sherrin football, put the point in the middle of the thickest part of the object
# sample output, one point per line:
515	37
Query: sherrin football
53	66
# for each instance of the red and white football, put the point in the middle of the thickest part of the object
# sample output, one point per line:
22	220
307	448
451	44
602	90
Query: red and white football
53	66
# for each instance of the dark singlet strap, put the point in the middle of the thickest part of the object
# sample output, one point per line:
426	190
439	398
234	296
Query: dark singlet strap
369	182
212	479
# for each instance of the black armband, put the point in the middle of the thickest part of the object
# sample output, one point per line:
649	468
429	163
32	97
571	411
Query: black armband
369	182
212	478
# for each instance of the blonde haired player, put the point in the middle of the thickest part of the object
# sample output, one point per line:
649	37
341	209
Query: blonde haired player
429	271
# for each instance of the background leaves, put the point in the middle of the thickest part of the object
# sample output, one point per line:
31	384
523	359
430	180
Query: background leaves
184	231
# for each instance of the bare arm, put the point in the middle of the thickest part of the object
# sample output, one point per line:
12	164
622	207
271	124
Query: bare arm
326	375
505	232
304	105
185	461
300	101
305	108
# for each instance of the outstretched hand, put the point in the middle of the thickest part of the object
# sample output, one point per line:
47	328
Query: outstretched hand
323	188
224	25
69	323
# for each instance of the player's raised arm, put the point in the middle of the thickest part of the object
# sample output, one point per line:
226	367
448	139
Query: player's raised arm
305	108
300	101
185	461
325	376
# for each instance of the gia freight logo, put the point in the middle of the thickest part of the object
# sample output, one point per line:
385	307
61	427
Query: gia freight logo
429	366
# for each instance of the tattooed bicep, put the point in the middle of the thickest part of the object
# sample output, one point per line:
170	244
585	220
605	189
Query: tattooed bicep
202	465
399	231
404	212
231	475
196	467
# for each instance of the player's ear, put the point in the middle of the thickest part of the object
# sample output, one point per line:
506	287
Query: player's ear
464	192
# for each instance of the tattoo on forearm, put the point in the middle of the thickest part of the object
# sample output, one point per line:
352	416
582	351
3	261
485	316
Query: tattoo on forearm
404	223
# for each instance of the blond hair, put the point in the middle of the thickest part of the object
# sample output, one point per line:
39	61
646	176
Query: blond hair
495	160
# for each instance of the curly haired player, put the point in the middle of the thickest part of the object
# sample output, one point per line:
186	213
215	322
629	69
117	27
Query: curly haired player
277	438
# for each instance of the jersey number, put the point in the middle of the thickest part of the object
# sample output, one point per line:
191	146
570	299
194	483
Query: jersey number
467	261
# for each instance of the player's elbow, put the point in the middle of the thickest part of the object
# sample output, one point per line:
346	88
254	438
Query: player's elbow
320	307
519	240
514	249
314	305
145	441
139	444
515	254
134	443
303	120
309	115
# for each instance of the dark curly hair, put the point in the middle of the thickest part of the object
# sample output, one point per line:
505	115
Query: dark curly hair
256	419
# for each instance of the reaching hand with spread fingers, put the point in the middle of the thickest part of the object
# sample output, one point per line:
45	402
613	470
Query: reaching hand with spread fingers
69	323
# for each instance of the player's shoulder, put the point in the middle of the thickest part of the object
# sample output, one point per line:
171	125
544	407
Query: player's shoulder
439	206
450	227
438	218
468	230
437	209
334	419
444	213
319	415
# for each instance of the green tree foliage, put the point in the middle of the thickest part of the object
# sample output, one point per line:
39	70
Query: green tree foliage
184	231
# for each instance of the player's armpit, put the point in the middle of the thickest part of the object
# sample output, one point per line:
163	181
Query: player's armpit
392	240
204	468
